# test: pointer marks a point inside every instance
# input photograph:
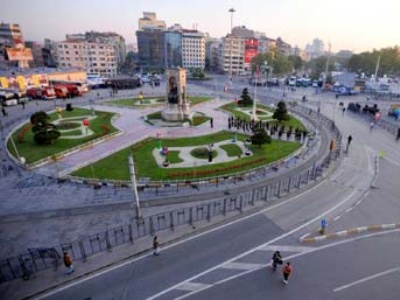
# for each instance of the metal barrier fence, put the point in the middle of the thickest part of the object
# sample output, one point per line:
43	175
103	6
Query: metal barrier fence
28	264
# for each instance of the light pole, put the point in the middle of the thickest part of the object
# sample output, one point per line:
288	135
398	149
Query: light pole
231	46
134	187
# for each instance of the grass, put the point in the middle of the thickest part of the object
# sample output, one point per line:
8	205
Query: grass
67	125
232	150
116	166
70	133
202	153
173	157
32	152
135	102
232	108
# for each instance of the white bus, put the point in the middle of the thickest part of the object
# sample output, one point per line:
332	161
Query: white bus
292	81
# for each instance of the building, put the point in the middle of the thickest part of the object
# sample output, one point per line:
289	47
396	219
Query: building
49	52
212	46
266	44
173	42
193	49
11	33
282	47
12	47
37	52
151	48
112	38
231	55
99	58
315	49
149	20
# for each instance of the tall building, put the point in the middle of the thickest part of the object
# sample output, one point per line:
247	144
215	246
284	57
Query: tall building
149	20
172	49
12	47
231	55
99	58
11	33
193	49
151	48
112	38
315	49
282	47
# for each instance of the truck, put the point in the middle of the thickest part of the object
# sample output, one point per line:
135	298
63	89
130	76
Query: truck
45	92
61	91
73	90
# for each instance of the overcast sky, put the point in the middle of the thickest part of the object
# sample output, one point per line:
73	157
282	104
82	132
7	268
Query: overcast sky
357	25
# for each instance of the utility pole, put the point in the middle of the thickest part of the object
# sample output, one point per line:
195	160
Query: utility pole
134	187
231	46
377	68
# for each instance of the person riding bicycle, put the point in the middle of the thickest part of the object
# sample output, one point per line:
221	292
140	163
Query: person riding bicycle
276	259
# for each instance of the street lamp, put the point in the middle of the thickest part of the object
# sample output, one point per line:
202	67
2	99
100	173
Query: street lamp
231	37
259	70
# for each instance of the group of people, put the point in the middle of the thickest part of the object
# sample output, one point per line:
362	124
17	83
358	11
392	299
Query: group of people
287	269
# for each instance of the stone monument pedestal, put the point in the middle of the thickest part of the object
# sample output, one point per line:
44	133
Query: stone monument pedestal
178	107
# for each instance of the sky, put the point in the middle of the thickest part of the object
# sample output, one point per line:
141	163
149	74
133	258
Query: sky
356	25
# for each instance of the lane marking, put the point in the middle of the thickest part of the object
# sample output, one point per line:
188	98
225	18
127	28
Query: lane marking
392	161
129	261
346	286
193	286
286	248
241	266
289	258
317	218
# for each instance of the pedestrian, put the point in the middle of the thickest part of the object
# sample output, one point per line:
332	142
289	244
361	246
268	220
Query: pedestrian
4	112
156	246
349	139
276	260
371	126
68	264
343	110
23	104
212	123
398	134
287	270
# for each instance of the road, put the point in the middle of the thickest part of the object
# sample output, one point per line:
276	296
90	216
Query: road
230	262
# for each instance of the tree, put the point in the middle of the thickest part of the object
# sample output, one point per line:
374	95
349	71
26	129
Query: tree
44	132
280	112
245	99
296	61
260	137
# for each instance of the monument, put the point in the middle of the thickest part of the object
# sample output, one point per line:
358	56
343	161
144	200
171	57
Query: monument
177	108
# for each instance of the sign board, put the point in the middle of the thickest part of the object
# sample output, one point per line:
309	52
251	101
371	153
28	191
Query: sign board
15	54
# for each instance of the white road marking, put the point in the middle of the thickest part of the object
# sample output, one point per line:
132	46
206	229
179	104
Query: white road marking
286	248
129	261
338	289
336	218
392	161
291	257
192	286
317	218
241	266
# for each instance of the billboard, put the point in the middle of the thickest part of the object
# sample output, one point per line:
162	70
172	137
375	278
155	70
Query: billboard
15	54
250	50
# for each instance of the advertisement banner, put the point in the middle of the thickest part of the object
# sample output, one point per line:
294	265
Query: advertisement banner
250	50
15	54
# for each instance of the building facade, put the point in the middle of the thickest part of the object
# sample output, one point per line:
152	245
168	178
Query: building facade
149	20
231	55
193	49
151	48
99	58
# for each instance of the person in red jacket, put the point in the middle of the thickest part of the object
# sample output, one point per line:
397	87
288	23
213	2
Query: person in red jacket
287	270
68	263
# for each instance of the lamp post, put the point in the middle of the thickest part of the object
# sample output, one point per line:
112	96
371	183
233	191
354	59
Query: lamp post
134	187
259	68
231	46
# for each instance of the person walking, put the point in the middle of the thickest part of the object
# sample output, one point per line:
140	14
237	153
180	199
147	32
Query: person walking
4	112
287	270
23	104
156	246
371	126
212	123
68	264
276	260
349	139
398	134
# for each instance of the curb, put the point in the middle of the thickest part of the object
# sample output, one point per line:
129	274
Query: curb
347	232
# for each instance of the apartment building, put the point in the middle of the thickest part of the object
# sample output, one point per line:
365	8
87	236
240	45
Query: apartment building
193	49
231	55
99	58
